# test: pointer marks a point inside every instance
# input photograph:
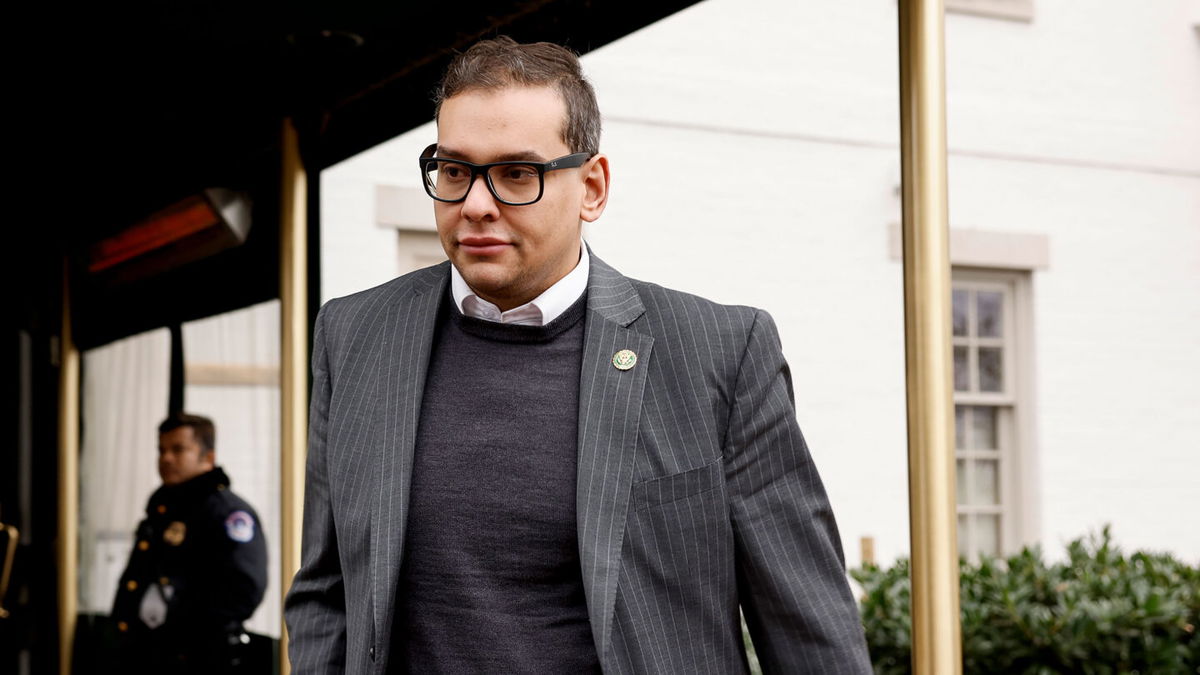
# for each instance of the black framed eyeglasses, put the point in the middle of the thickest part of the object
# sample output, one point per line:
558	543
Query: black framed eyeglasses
515	183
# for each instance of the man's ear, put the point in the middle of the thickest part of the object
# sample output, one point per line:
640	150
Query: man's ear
595	188
211	456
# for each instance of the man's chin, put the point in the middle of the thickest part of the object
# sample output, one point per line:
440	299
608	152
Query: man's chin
487	280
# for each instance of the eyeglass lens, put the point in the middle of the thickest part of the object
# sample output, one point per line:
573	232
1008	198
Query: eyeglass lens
517	183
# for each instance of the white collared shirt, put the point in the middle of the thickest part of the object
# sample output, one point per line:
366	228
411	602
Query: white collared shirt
537	312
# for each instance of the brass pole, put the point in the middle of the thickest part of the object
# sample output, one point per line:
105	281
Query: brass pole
293	381
936	633
68	483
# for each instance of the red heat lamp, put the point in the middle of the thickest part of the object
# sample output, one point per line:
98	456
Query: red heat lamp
184	232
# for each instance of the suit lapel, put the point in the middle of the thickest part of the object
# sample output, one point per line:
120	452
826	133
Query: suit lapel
610	408
406	344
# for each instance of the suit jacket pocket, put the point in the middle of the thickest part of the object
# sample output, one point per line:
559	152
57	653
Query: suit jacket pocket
677	486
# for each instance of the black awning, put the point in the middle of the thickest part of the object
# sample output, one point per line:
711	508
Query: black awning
129	107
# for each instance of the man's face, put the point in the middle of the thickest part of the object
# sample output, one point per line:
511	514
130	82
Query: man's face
181	457
509	255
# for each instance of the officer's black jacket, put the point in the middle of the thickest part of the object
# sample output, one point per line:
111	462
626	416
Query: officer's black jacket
204	547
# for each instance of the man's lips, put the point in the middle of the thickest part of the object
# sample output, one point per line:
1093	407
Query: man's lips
482	245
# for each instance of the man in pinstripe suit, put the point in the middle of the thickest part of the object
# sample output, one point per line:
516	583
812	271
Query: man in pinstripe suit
522	461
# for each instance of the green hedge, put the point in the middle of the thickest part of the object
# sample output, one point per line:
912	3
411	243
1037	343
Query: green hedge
1099	611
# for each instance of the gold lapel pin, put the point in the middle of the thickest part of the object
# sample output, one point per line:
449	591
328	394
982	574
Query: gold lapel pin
624	359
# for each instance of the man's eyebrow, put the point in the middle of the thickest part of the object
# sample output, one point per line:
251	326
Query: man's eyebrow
520	156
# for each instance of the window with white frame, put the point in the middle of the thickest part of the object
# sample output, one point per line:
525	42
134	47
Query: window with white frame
417	249
986	393
408	210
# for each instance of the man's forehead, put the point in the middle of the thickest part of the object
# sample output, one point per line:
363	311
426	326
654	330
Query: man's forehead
506	124
545	99
178	435
528	155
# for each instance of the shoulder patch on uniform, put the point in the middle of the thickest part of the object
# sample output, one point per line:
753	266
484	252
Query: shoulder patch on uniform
240	526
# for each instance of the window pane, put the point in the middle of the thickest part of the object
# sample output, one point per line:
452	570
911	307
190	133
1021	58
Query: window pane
231	374
983	428
960	427
984	488
962	376
986	534
961	471
959	303
991	371
988	311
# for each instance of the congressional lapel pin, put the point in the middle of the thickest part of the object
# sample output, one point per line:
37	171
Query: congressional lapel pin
175	533
624	359
240	526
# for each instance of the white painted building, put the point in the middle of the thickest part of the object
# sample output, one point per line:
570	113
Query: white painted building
755	160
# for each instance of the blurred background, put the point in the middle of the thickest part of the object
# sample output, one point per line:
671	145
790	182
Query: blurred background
755	160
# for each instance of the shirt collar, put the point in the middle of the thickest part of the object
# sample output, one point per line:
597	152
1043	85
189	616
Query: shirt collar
537	312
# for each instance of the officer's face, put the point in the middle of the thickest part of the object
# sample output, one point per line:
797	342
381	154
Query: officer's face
181	457
511	254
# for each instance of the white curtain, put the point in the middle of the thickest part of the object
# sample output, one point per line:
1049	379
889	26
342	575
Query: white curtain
125	394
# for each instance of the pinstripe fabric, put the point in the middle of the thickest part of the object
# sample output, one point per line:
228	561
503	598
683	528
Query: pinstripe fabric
695	490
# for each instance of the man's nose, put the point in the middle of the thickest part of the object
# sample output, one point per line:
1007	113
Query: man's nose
480	204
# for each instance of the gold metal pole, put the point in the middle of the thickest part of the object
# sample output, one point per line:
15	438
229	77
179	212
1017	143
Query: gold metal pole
936	634
293	295
68	483
10	552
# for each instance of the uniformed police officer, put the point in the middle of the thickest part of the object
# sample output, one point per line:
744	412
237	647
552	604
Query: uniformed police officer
198	567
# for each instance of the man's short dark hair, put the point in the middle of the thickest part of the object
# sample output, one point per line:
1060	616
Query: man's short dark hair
503	62
202	428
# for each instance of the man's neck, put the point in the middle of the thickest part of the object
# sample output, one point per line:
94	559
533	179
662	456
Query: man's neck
550	303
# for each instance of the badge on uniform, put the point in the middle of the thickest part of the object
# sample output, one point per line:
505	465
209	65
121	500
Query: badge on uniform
240	526
153	609
175	533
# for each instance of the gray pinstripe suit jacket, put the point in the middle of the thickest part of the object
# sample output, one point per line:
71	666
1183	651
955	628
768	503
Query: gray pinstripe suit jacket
695	490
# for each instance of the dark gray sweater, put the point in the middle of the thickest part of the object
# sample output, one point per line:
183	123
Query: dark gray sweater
491	576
